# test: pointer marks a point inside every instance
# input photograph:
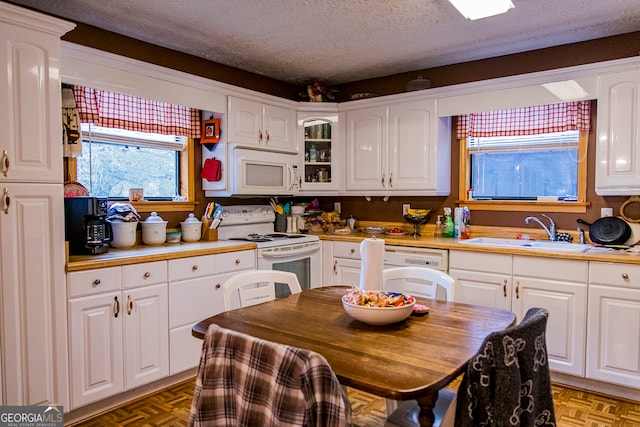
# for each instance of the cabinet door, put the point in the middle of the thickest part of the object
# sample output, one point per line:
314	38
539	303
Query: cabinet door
412	146
367	145
566	327
279	128
33	303
613	347
319	136
346	272
30	105
487	289
617	154
191	301
95	334
245	122
146	335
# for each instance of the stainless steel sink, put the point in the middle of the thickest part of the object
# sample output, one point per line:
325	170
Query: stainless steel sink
539	245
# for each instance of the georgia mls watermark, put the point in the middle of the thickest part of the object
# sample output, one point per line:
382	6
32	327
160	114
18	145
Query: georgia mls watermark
31	416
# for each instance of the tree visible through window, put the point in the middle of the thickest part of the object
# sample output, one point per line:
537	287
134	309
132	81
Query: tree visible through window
111	164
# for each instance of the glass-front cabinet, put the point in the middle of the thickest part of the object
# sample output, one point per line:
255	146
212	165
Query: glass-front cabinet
319	136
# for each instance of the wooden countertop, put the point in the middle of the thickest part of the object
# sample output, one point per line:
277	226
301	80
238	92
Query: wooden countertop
144	253
595	254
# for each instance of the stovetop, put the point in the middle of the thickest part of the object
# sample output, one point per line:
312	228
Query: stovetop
254	223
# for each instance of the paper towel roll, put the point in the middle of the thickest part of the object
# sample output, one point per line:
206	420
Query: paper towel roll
372	264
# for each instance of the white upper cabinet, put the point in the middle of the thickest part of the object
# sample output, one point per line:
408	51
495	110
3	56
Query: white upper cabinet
396	148
258	125
617	152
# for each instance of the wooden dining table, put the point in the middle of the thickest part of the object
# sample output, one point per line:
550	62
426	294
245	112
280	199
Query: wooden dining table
412	359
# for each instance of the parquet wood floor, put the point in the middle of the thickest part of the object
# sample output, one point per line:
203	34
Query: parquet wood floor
170	407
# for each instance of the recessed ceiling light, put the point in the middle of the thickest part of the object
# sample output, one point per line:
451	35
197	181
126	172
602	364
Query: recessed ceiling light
477	9
566	90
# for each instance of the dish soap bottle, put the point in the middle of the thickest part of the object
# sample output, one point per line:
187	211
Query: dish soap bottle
448	229
438	232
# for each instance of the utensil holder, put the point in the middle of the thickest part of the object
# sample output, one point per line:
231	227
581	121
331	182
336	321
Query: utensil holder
208	234
280	225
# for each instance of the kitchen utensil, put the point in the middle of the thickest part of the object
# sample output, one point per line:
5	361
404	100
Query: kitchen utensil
608	230
630	210
287	208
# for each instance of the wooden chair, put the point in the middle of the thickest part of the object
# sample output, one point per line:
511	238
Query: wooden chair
254	287
247	381
422	282
507	382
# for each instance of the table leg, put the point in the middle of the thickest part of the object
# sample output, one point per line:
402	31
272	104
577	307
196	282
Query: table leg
427	402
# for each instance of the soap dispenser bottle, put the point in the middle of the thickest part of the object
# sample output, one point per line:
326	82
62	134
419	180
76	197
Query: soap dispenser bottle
438	232
448	229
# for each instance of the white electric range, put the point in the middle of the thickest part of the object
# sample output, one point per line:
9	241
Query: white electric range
296	253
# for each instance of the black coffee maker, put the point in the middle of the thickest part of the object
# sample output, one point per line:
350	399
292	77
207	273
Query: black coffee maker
86	227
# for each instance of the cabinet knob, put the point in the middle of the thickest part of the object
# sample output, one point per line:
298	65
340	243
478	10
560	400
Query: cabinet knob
237	262
218	285
147	275
353	251
504	288
517	290
96	282
129	305
382	180
268	137
259	136
194	268
116	307
625	276
335	267
5	162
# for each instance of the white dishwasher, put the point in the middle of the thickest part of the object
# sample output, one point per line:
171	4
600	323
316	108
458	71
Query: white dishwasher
405	256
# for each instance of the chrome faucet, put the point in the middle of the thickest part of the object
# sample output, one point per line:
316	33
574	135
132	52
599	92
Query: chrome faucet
551	231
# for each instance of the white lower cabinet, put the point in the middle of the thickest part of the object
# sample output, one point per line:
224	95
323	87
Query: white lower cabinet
195	293
346	263
118	323
518	283
613	344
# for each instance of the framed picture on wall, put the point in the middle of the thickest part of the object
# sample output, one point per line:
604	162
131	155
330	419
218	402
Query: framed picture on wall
210	131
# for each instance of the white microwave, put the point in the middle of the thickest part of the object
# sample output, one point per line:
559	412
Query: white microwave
263	173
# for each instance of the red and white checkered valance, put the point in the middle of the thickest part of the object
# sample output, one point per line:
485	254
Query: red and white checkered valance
120	111
526	121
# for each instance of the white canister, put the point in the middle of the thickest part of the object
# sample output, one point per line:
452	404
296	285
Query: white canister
154	230
123	234
191	229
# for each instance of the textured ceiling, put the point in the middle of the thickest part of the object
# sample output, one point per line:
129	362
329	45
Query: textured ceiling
341	41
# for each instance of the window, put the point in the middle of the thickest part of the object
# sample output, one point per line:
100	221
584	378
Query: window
531	159
524	167
114	160
132	142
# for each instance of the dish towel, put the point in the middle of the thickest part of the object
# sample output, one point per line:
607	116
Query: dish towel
371	266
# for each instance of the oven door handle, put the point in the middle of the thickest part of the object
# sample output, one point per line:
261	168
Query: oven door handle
268	254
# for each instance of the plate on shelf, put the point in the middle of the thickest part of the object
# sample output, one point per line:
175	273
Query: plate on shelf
75	189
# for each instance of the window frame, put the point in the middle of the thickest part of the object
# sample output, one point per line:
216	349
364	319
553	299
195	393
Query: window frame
579	206
186	177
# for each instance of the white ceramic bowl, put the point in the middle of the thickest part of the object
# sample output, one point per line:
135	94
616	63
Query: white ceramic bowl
377	315
123	234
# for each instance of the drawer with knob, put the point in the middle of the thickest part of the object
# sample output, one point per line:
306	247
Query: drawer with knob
90	282
148	273
192	267
615	274
235	261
